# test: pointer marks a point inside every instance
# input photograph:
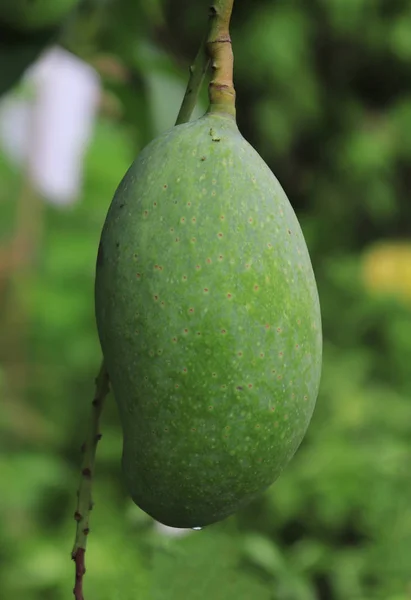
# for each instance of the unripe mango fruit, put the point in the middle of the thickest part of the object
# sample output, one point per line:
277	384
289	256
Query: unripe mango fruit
209	321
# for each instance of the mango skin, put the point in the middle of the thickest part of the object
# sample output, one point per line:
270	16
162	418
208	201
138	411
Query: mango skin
209	321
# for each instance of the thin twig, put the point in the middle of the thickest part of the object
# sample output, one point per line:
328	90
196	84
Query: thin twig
84	494
197	73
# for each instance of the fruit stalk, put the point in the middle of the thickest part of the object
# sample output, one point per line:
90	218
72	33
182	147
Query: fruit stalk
84	499
84	494
218	46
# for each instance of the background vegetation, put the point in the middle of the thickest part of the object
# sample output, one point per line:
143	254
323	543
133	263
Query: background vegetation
324	94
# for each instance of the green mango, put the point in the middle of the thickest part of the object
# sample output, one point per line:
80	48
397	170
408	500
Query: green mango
30	15
17	52
209	321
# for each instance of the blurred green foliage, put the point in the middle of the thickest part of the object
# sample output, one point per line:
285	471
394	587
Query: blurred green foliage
324	94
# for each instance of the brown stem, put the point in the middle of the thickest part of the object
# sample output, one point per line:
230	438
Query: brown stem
221	89
78	558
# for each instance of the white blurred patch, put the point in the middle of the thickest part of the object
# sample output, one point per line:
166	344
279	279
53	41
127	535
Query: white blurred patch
48	135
